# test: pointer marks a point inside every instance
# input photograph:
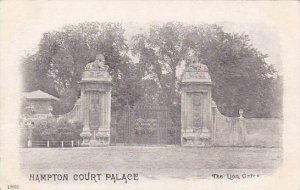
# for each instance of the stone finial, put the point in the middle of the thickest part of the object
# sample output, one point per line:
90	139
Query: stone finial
241	112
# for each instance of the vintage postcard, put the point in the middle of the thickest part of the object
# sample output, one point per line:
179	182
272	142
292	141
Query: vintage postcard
149	95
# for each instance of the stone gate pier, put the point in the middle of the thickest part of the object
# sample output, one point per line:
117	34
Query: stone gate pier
96	103
196	106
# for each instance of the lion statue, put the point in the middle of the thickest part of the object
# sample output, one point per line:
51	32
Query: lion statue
97	64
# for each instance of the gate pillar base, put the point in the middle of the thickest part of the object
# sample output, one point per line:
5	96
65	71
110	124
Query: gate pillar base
103	137
95	143
86	135
198	138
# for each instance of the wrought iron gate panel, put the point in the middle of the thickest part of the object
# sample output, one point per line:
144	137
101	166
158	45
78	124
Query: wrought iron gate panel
142	125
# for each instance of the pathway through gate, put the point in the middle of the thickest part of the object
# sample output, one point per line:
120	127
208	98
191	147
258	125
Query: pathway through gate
143	125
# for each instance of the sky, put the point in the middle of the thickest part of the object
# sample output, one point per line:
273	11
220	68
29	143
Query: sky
22	24
262	36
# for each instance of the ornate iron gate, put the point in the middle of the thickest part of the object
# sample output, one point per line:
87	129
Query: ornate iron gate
143	125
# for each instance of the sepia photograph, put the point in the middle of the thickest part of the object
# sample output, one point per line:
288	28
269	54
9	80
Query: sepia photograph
161	99
125	101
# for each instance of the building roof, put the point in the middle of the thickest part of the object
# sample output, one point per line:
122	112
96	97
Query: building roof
39	95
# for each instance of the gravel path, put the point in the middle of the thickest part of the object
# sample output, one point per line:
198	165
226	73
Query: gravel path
152	162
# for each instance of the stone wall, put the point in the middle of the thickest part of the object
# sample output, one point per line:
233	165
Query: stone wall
223	130
256	132
264	132
75	115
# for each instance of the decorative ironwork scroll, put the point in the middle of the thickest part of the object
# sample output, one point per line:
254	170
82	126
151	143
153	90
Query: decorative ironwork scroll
144	125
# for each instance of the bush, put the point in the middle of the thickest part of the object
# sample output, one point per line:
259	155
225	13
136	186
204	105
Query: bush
68	131
54	130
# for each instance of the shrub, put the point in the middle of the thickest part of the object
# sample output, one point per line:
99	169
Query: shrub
53	130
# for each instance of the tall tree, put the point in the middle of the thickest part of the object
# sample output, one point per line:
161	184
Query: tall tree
239	71
241	77
58	64
160	52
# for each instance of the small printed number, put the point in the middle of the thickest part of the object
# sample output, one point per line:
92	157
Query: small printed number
13	187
